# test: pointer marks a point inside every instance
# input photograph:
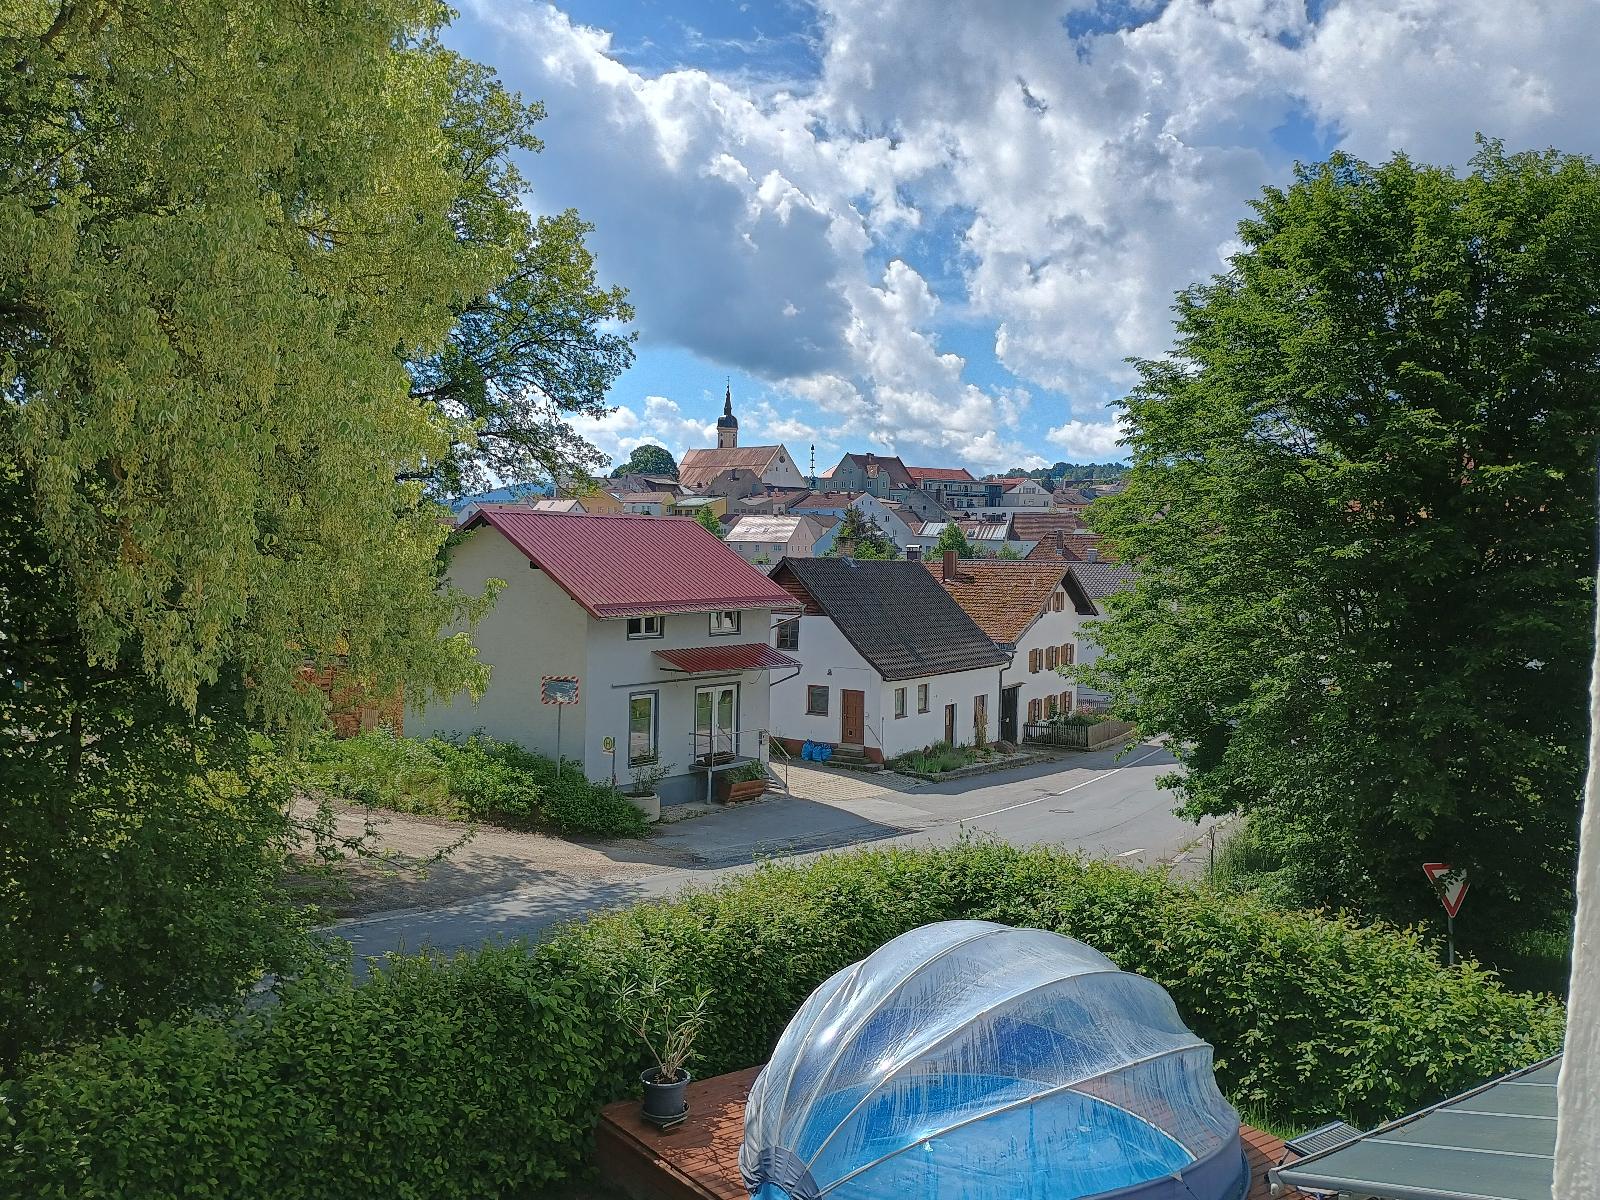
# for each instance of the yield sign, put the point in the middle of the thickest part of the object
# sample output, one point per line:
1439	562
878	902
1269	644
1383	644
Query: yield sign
1452	893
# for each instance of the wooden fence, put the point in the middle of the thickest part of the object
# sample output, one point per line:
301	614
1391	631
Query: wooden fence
1077	737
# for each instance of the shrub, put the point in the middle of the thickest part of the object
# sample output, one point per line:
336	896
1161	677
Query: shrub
482	1075
475	776
935	759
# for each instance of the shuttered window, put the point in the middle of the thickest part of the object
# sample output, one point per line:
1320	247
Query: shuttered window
1050	706
1069	654
1050	656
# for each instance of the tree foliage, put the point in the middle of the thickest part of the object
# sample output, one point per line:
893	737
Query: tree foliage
545	341
953	537
1362	516
140	847
859	536
648	459
216	232
708	521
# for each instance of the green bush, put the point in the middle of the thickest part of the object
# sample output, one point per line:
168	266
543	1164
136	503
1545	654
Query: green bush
935	759
481	1075
466	777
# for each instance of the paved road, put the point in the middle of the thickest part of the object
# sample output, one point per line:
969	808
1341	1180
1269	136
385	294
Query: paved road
1091	802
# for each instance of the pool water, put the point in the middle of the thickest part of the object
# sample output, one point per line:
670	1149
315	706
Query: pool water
925	1137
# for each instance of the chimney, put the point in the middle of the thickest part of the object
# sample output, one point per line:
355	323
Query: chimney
1061	544
950	559
1090	554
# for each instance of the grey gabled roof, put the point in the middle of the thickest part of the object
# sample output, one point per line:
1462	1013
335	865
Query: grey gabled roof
1100	579
1495	1142
896	614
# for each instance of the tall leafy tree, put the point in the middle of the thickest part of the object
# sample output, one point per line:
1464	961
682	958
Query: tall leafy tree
543	340
1362	515
708	521
234	243
859	536
648	459
953	537
216	228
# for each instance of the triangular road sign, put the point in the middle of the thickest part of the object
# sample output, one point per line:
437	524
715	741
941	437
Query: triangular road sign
1452	893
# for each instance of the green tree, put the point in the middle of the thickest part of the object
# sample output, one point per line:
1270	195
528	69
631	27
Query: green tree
215	232
708	520
233	246
952	537
859	536
648	459
1010	553
1361	512
541	341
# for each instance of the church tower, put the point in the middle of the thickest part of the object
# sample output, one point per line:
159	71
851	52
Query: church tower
727	423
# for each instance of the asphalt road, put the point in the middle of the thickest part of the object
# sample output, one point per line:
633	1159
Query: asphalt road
1095	803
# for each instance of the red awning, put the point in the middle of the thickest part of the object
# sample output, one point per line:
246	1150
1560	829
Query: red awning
753	656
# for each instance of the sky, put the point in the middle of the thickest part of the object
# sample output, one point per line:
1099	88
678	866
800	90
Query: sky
940	228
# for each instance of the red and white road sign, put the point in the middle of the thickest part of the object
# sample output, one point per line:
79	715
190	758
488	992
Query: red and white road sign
1452	893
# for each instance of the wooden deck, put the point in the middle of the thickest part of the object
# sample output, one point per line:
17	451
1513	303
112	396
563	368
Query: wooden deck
699	1160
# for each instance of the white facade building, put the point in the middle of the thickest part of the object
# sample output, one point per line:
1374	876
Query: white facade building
889	663
665	633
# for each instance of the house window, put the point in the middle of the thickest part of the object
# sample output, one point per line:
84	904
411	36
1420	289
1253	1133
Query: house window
723	623
1068	653
1066	702
1050	706
1035	661
913	553
644	627
816	701
641	728
922	697
787	636
1033	712
1058	601
1050	657
899	703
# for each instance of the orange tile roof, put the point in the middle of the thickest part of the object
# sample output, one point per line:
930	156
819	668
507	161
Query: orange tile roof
940	474
1002	595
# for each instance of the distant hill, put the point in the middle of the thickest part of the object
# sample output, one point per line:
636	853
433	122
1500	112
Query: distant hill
1077	472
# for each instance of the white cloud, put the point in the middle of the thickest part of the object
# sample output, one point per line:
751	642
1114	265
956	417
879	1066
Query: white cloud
1073	184
661	422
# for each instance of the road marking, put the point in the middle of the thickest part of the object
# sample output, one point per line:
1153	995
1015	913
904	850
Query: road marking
1130	853
1064	791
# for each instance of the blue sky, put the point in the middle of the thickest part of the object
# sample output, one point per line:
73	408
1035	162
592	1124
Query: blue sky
939	228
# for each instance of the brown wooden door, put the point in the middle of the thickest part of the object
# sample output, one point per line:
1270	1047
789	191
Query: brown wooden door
852	717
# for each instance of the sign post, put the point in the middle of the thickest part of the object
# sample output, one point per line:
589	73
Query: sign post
1452	889
559	690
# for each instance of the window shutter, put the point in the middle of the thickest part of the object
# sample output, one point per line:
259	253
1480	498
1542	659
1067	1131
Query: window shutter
1050	658
1069	653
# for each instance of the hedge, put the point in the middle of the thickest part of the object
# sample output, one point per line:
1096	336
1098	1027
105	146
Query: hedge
481	1076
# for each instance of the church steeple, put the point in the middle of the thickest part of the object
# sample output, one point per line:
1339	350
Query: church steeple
727	423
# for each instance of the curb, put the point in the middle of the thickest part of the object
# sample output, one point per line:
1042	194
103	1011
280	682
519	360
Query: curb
988	768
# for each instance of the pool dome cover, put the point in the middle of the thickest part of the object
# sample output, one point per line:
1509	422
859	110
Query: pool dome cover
973	1061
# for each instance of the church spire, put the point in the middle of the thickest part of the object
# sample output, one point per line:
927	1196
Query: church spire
727	423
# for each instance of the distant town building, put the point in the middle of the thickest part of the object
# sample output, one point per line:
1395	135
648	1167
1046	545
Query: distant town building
773	465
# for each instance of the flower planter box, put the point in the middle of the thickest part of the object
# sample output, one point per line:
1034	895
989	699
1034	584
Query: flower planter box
730	792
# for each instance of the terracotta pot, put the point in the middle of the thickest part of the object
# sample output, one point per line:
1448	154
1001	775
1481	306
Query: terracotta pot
663	1101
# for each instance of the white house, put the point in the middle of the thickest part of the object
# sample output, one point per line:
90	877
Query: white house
763	540
1025	607
889	662
658	632
1088	585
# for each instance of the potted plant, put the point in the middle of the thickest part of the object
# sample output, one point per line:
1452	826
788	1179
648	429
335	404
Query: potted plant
641	793
741	783
668	1025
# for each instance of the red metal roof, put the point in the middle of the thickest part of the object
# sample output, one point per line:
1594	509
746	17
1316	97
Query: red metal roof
952	474
753	656
624	565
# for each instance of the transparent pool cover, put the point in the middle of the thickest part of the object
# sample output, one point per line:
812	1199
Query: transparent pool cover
975	1061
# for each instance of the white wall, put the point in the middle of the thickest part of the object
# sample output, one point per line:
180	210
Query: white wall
918	729
784	473
823	649
1089	651
620	666
1051	629
534	629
